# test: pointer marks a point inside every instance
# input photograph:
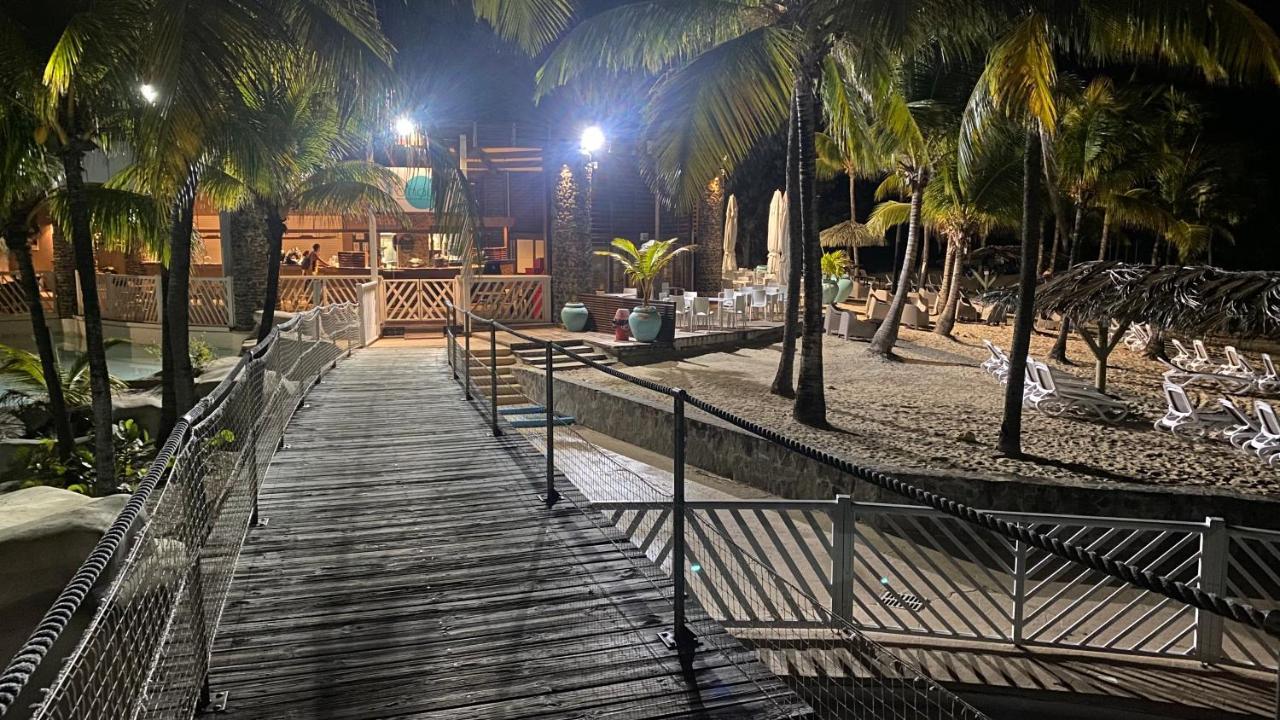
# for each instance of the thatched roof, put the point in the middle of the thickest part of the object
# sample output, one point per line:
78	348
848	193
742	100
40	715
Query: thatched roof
1193	300
849	234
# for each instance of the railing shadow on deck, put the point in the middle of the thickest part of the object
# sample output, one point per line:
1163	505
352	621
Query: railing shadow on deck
153	587
828	570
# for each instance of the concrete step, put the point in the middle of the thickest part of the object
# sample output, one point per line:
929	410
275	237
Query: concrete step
503	361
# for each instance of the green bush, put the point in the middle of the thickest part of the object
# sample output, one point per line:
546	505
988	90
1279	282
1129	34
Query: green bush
40	464
198	350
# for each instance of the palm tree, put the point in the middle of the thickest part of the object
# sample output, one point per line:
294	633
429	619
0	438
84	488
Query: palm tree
730	74
643	265
963	209
1220	39
293	155
27	177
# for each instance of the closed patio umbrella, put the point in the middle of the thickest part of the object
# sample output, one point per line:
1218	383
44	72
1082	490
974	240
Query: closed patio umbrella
775	240
729	265
783	232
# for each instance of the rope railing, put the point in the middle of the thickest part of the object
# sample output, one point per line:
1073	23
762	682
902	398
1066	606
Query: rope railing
161	570
1230	608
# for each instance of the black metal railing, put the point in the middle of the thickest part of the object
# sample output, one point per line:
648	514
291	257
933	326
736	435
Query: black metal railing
1233	609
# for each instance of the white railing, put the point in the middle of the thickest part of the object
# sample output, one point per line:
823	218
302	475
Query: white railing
417	300
13	300
137	298
370	313
511	298
910	570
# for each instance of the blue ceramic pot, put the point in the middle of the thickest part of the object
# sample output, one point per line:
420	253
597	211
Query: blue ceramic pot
844	286
645	323
829	289
574	316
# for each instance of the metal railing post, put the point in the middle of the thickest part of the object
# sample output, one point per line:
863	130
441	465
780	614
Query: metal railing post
1019	589
842	537
493	377
1214	550
681	637
466	373
451	338
549	409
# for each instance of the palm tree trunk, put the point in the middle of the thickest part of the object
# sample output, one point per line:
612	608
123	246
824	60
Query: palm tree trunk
1059	351
275	238
784	379
1010	442
1044	235
811	404
177	310
924	260
853	219
104	459
947	322
168	401
1106	235
947	262
1053	254
20	250
1155	251
64	275
887	334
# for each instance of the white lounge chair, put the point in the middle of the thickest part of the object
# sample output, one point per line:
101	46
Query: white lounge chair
1186	377
997	365
1183	357
1201	360
1243	428
1236	364
1269	381
1184	418
1058	399
1267	442
1137	337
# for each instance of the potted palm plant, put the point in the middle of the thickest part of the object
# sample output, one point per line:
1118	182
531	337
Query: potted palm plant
836	283
642	266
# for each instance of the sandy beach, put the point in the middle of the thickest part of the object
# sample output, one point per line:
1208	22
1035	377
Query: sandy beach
935	409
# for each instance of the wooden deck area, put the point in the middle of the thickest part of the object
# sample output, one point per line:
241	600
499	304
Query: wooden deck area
408	570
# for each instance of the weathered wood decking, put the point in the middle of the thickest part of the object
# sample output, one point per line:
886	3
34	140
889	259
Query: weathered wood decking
408	570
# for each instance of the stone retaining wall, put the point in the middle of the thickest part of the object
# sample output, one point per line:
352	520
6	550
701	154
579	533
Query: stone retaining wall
724	450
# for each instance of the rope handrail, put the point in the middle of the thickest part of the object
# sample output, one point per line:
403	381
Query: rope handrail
1230	608
27	660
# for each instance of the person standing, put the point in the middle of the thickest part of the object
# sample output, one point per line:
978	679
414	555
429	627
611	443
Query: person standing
311	261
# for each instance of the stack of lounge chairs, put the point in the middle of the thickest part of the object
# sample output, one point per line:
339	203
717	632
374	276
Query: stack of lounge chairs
1057	394
1236	376
1224	421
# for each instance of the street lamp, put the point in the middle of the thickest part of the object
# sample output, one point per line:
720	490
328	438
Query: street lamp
405	126
592	140
149	93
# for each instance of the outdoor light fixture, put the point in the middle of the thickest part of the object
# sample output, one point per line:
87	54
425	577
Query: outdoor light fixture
149	93
592	140
404	126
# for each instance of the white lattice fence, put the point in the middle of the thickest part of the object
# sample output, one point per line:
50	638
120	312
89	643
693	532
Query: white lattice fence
130	298
296	294
13	300
1252	574
512	298
416	300
209	302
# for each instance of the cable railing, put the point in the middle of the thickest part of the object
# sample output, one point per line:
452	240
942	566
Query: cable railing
855	677
756	576
151	593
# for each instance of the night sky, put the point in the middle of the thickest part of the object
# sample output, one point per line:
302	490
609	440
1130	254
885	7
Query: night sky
458	71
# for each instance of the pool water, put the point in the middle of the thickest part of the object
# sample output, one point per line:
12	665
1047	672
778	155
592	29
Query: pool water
127	361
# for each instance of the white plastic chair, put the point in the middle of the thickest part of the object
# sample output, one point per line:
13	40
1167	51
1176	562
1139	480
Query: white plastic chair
729	308
1183	417
701	310
1243	428
1201	359
759	302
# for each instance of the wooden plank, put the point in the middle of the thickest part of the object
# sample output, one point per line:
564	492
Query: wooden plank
409	570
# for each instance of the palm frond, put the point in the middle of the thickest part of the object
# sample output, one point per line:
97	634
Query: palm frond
532	24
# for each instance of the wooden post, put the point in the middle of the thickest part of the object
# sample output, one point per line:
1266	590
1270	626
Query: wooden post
229	292
549	409
1214	552
493	377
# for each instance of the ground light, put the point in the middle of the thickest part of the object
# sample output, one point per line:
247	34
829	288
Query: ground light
149	93
592	139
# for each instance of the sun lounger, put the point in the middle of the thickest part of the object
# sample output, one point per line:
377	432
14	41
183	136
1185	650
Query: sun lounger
1185	377
1183	357
1056	399
1267	442
1269	381
1184	418
1201	361
997	365
1137	337
1242	428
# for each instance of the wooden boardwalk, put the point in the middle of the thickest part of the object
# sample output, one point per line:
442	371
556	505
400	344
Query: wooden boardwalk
408	570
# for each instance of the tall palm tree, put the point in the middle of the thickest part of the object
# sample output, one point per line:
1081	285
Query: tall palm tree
962	210
731	73
27	178
1223	40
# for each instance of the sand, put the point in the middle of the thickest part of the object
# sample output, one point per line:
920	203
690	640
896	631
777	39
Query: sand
936	410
